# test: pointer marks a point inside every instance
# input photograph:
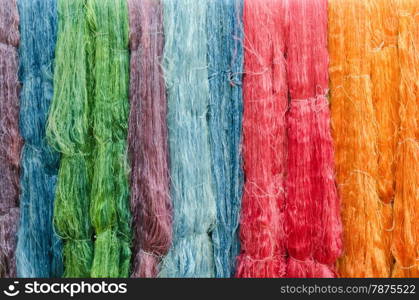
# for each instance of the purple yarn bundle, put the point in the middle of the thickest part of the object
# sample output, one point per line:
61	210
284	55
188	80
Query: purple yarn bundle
10	140
147	139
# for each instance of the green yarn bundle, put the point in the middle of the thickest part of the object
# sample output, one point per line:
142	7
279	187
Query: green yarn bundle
71	216
68	131
109	210
88	124
68	124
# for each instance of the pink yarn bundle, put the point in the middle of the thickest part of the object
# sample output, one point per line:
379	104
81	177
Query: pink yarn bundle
10	139
312	217
264	145
147	139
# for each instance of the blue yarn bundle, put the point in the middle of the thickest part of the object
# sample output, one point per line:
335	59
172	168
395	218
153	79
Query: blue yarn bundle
38	252
186	75
225	61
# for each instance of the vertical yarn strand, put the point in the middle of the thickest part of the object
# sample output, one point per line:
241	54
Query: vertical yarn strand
225	63
312	214
68	133
405	248
356	139
147	137
186	76
38	252
385	80
109	209
10	140
265	99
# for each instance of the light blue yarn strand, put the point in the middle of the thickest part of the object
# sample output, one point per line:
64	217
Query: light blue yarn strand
38	252
186	74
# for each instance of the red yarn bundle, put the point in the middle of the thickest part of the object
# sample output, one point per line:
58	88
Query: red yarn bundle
312	217
264	141
290	204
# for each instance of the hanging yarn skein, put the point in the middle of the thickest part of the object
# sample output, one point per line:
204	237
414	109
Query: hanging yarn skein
147	139
265	99
225	67
385	80
10	140
186	76
68	132
109	210
355	131
38	252
405	238
312	214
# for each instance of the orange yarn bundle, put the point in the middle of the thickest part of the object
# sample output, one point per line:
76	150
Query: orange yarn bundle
374	91
385	77
405	244
355	130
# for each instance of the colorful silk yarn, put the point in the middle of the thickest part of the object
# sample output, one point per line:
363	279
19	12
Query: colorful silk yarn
265	100
68	131
405	236
181	137
225	68
377	149
38	252
312	211
10	140
385	81
109	206
147	139
192	192
364	215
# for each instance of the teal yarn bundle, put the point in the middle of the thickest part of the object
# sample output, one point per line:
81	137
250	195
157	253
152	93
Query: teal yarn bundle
38	252
110	209
69	132
225	68
186	76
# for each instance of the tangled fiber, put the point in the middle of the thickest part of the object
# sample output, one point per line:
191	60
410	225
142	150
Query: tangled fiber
186	76
9	29
265	100
8	228
225	68
312	215
68	131
109	210
10	140
38	252
355	129
147	138
405	241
